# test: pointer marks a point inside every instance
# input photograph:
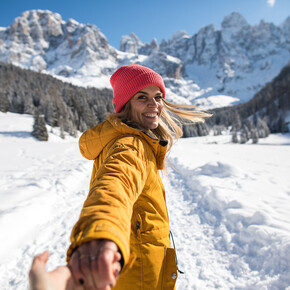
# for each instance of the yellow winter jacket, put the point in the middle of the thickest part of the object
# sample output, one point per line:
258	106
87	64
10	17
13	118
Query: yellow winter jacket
126	204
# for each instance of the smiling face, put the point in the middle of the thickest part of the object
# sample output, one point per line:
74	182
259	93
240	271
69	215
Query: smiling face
146	107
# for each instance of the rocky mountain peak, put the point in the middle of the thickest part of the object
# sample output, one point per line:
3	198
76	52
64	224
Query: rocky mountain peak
71	25
34	25
148	49
236	60
235	29
285	26
234	20
179	35
130	43
41	40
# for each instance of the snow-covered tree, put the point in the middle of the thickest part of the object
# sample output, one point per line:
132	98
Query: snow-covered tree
235	137
237	124
4	106
243	137
254	136
263	129
39	127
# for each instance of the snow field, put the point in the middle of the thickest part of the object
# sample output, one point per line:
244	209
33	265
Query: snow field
228	206
233	203
43	186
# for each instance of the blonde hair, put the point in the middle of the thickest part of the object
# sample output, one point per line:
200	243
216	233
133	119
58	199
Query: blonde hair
172	118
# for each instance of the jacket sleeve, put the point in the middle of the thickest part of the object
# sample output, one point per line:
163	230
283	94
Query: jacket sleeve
107	212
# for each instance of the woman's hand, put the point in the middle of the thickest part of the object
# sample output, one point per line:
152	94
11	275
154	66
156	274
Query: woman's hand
58	279
96	265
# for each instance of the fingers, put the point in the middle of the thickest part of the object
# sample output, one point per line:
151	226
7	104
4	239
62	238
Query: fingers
117	267
75	269
108	263
105	267
96	264
85	266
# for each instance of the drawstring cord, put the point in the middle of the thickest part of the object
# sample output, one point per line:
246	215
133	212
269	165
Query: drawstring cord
179	271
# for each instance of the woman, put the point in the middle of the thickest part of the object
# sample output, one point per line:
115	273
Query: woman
121	239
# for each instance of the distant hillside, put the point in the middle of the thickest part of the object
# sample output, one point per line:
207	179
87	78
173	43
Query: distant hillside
63	105
76	108
271	104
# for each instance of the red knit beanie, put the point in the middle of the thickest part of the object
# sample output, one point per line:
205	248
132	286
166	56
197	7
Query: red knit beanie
130	79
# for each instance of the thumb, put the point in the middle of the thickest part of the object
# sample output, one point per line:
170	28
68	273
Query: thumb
39	262
37	271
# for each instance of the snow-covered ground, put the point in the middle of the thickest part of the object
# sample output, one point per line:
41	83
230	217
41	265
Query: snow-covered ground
229	206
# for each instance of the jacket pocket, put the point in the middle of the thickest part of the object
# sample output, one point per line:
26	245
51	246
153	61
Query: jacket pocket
170	270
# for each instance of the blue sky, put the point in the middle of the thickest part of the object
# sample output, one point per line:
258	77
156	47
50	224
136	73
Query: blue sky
150	18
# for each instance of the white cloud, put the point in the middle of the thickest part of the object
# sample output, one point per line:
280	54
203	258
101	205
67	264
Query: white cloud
271	3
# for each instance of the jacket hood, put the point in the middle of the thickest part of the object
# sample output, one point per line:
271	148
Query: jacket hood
93	141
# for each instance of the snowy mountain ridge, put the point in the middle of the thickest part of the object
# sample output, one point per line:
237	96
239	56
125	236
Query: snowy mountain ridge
212	68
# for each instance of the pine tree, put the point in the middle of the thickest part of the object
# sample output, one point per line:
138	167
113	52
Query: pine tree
243	137
246	132
237	124
263	129
39	127
254	136
235	137
4	106
61	127
249	125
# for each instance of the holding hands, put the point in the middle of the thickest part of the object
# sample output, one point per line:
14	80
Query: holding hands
95	265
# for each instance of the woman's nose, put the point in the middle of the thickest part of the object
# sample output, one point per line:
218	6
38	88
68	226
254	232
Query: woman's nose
153	103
